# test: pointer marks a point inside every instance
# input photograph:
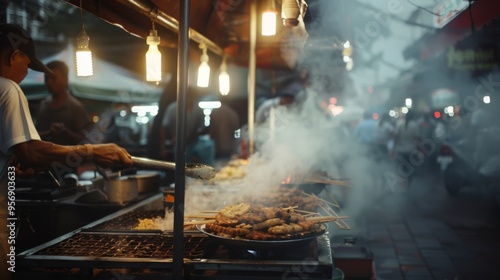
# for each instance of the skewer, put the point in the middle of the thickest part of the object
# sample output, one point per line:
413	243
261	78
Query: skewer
326	219
328	182
306	212
199	216
202	222
320	199
310	214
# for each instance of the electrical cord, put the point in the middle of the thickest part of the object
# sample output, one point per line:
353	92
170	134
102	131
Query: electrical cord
472	25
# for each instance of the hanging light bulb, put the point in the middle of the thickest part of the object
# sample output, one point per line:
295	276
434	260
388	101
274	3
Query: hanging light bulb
290	12
224	83
204	69
269	20
153	57
84	65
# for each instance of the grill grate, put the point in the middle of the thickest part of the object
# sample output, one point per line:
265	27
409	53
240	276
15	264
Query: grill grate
127	246
129	221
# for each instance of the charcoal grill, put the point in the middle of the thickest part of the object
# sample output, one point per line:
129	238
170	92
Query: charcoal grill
110	248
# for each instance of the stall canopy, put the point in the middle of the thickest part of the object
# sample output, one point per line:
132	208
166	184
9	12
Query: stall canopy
474	18
223	25
113	84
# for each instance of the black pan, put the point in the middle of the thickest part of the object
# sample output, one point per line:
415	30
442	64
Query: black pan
263	245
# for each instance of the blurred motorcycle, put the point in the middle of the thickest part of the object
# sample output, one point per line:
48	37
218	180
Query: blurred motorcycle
477	164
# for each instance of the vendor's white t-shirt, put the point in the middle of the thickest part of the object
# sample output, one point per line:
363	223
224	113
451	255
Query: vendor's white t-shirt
17	124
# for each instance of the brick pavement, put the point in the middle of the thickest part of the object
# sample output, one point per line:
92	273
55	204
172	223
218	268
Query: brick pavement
422	233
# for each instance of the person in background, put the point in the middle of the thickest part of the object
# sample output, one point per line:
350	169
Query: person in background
194	125
61	119
285	99
406	138
22	152
224	121
383	139
365	129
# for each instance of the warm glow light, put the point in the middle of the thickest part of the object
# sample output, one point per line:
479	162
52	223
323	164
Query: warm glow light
204	69
269	23
203	74
336	110
224	83
153	57
84	67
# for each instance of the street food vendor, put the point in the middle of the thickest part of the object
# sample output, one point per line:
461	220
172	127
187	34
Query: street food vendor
22	153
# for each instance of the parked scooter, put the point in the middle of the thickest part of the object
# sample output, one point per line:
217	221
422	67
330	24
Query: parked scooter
466	164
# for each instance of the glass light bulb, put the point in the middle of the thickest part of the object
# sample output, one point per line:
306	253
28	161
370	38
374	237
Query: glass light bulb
153	64
203	75
224	84
84	67
269	23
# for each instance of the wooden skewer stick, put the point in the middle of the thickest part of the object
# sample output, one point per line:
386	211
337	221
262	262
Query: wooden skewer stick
305	212
325	219
202	222
328	182
320	199
199	216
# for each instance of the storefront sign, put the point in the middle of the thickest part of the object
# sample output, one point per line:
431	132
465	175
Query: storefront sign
472	59
446	10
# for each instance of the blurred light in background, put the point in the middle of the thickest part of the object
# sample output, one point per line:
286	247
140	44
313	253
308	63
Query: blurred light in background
408	102
209	104
486	99
142	110
204	69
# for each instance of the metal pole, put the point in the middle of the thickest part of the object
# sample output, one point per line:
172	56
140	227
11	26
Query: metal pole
180	152
251	75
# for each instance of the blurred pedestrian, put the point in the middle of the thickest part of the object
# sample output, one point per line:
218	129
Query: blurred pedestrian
194	127
383	139
61	119
224	121
365	129
407	155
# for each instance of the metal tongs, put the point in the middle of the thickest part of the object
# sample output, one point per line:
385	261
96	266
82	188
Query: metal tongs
193	170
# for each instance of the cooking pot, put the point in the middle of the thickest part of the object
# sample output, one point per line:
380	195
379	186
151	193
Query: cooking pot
147	181
125	188
121	189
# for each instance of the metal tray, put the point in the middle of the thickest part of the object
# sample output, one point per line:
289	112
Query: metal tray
249	244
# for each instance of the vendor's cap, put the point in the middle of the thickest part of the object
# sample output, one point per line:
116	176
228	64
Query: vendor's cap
12	35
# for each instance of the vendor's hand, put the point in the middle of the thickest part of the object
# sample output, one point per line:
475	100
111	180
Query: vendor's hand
57	128
111	155
24	172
